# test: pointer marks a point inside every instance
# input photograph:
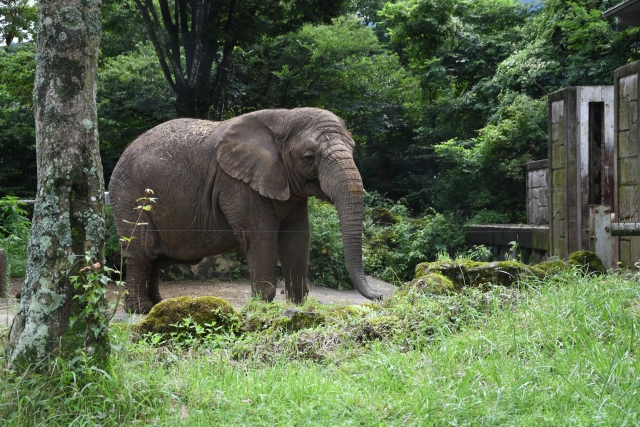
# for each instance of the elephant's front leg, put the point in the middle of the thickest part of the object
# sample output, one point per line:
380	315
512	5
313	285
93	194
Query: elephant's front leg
293	251
261	249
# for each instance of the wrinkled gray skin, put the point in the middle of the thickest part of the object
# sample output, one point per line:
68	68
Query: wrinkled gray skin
239	183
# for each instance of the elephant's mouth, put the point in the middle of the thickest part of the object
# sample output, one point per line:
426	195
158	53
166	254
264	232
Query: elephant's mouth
312	188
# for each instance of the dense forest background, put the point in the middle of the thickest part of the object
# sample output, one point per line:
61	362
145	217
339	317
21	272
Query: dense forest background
446	99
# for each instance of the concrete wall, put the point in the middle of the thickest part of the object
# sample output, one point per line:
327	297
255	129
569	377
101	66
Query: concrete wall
627	199
538	192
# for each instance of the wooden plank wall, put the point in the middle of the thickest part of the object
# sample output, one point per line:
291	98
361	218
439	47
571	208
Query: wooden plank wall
557	136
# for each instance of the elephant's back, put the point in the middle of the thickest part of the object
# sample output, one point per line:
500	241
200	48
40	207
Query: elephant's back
177	154
179	136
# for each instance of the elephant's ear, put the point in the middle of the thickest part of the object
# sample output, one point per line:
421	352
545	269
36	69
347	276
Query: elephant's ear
247	151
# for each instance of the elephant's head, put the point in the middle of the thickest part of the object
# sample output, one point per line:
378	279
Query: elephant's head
285	154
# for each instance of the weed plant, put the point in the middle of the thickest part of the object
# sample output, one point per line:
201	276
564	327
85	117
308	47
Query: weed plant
555	352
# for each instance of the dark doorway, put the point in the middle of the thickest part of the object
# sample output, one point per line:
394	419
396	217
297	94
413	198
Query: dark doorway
596	151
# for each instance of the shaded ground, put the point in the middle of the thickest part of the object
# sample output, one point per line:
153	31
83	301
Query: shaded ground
237	293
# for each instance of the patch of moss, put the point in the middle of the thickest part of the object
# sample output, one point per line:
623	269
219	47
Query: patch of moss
553	265
588	260
167	316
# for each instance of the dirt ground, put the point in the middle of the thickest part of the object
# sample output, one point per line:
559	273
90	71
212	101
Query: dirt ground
236	292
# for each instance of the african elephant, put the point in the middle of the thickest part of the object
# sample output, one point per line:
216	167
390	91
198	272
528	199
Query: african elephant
242	183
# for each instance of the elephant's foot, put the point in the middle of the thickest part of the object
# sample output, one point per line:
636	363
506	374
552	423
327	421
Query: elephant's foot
265	290
138	305
297	293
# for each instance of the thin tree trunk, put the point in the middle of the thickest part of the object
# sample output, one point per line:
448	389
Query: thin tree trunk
68	219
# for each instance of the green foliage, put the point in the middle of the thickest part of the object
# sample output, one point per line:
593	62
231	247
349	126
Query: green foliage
14	235
486	174
133	97
17	21
392	250
568	43
111	239
90	287
17	125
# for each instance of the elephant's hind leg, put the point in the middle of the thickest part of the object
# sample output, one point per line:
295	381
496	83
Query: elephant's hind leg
137	299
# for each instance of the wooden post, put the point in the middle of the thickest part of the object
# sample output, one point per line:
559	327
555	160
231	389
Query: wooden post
4	288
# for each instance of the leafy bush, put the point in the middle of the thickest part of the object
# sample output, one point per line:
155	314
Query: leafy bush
391	251
14	235
327	265
393	242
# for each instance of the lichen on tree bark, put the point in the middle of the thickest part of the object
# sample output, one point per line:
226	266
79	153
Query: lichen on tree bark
68	218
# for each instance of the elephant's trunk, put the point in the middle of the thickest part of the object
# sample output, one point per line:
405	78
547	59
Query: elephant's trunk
340	180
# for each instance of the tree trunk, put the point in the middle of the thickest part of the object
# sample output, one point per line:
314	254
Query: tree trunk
68	218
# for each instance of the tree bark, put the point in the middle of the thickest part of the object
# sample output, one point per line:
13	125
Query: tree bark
68	219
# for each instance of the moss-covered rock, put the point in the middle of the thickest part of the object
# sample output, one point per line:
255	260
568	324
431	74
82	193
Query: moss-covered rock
463	273
434	283
213	313
553	265
588	260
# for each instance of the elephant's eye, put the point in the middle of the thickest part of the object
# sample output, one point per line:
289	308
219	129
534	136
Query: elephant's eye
309	158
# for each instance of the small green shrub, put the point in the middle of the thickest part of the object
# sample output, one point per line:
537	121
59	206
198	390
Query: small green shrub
14	235
391	251
327	265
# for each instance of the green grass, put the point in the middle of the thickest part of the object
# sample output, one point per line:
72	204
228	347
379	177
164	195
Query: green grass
559	352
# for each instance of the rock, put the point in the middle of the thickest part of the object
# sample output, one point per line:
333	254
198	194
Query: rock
226	266
213	313
588	260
